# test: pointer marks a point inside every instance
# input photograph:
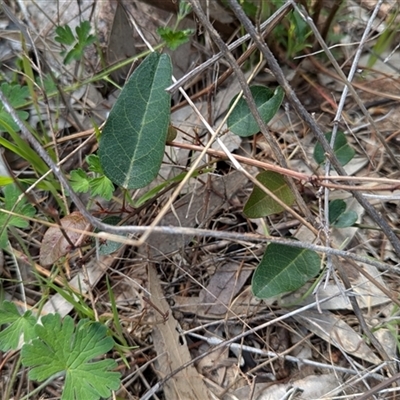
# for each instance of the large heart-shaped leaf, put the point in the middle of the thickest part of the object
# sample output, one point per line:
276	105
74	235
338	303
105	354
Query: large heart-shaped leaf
260	204
132	144
284	269
241	121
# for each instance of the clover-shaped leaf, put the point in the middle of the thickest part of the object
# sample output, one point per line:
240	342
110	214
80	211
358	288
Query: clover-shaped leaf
62	349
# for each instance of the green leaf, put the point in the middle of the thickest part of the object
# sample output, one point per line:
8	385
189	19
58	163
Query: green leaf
109	246
283	269
174	39
336	209
18	324
98	185
80	41
241	121
337	215
21	148
82	33
17	96
62	349
74	54
94	164
132	144
342	150
260	204
48	83
184	9
79	181
347	219
249	8
101	186
64	35
11	194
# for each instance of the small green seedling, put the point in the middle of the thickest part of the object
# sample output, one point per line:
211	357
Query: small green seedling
172	36
97	183
78	42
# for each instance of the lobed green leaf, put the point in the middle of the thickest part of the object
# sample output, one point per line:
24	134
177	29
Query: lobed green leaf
10	336
62	349
11	194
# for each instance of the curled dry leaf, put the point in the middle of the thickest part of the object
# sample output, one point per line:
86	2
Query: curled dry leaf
55	245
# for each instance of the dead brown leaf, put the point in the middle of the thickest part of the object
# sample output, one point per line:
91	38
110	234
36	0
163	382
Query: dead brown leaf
224	285
55	245
186	384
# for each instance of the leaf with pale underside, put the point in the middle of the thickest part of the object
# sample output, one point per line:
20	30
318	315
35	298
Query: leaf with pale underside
241	121
260	204
133	140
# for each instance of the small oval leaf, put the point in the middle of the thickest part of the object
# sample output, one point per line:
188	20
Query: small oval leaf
347	219
54	245
337	215
109	246
284	269
132	143
260	204
342	150
241	121
336	208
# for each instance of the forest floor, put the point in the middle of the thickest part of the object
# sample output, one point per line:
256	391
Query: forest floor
211	284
